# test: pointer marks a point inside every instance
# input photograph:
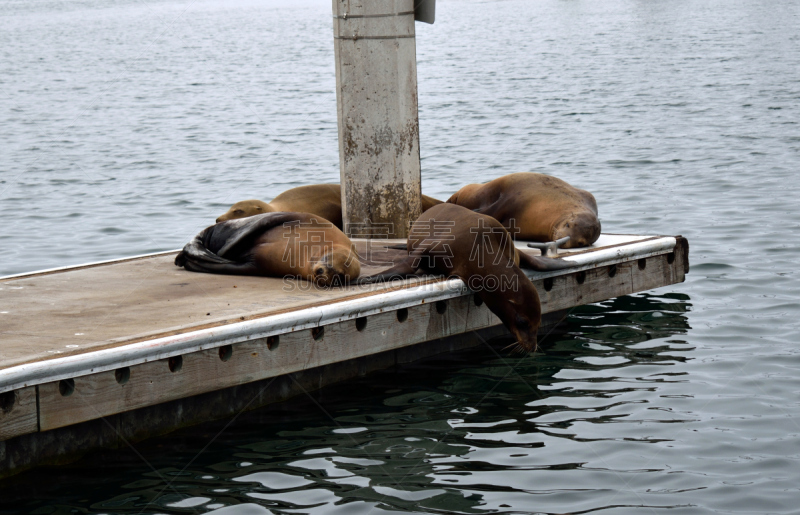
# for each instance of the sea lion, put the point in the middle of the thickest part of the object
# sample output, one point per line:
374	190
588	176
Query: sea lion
324	200
274	244
543	208
456	242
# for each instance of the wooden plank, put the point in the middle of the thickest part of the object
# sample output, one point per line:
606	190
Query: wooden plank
18	413
102	394
595	285
653	272
152	383
376	92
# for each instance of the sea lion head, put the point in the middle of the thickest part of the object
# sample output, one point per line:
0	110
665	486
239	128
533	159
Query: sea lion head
464	195
583	229
337	267
246	208
525	318
518	306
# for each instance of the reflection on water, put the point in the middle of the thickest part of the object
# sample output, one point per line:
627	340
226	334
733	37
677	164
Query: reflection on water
466	433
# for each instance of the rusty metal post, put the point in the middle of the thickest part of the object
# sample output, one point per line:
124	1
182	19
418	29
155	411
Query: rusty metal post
376	93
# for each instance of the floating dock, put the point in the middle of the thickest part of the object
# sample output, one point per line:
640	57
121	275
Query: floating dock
104	354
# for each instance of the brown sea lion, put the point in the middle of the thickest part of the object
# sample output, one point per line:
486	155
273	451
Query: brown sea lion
456	242
274	244
324	200
543	208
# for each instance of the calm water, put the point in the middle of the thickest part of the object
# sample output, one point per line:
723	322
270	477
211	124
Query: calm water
126	126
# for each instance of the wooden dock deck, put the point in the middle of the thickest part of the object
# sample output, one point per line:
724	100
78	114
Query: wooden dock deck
98	354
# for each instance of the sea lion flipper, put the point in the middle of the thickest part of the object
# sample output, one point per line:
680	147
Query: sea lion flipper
231	268
197	258
541	264
401	270
496	209
180	259
236	234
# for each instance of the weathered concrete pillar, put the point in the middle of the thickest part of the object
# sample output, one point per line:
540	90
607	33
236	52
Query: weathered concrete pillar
376	93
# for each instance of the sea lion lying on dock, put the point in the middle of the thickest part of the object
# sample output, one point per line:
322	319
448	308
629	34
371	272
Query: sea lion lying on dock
324	200
456	242
274	244
543	208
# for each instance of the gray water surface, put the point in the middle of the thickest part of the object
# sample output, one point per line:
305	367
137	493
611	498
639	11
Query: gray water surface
127	126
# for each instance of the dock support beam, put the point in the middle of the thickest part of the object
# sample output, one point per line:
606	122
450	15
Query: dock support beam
376	93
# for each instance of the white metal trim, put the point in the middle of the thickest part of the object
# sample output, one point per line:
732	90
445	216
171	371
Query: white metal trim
86	265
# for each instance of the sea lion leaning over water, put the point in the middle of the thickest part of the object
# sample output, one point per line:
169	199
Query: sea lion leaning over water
324	200
274	244
542	207
456	242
